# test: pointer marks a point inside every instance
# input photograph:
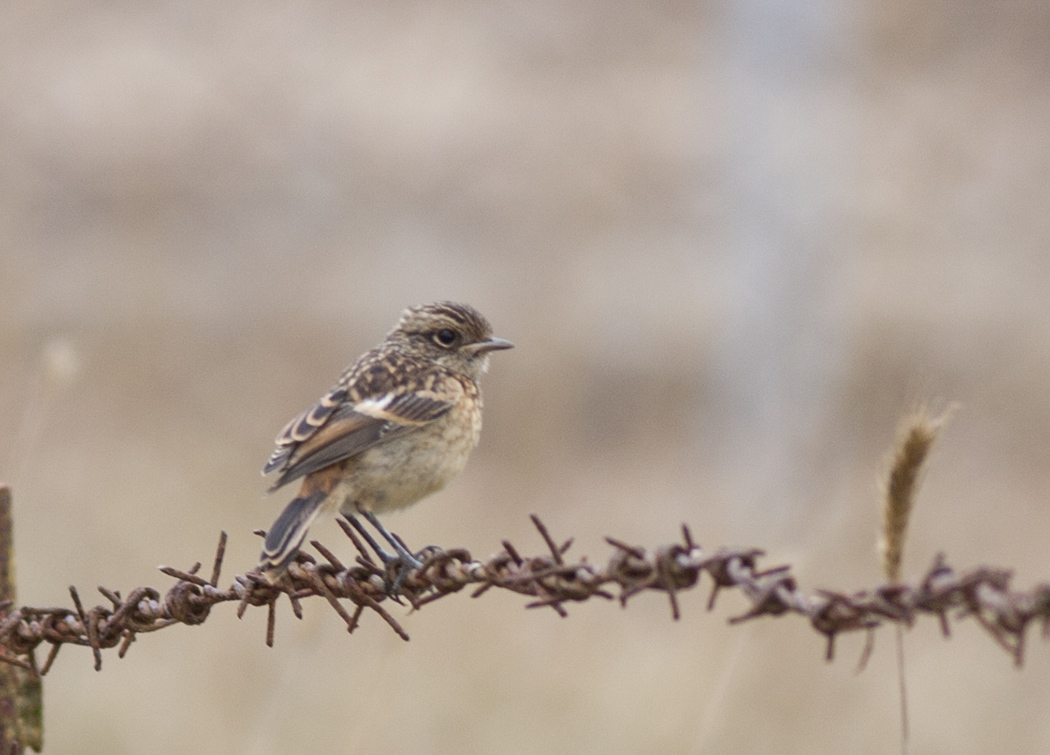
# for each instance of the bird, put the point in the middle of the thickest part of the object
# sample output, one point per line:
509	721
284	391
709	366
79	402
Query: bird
398	425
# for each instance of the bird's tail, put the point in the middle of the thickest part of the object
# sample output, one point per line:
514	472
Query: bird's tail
287	533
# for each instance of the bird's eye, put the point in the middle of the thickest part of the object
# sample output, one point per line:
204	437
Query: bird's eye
445	337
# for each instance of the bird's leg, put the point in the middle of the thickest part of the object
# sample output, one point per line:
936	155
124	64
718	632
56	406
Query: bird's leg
384	555
395	543
408	561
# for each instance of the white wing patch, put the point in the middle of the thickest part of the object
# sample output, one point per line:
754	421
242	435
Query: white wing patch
375	407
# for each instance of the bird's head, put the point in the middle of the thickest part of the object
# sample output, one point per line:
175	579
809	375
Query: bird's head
456	336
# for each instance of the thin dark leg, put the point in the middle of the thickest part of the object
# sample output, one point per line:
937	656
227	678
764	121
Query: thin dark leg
407	560
407	557
384	555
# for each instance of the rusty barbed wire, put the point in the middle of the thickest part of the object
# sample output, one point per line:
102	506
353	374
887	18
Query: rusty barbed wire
550	579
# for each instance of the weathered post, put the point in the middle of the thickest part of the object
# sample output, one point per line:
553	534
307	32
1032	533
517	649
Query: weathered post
21	693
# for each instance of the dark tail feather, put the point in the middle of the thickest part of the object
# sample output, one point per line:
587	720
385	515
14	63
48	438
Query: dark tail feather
287	534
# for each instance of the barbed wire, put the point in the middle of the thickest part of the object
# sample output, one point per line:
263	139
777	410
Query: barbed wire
550	579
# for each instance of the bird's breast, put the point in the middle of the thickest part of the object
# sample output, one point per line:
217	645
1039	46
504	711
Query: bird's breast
415	464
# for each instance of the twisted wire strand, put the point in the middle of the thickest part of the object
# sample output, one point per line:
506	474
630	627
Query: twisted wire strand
549	579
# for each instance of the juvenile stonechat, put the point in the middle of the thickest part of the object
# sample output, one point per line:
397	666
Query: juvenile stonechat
396	427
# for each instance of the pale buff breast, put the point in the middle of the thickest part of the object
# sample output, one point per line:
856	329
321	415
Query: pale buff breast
399	473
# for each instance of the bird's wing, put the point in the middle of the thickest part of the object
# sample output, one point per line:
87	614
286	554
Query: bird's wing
349	420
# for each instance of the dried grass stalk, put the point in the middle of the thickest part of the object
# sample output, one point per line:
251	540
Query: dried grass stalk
914	441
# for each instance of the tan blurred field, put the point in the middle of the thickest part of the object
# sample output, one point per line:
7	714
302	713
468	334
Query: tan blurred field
734	243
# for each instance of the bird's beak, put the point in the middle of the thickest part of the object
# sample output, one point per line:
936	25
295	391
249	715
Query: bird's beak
492	344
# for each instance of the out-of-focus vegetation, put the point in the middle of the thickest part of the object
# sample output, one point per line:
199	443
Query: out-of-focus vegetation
733	242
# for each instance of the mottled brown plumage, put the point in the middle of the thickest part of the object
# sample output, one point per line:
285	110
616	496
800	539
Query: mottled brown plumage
398	425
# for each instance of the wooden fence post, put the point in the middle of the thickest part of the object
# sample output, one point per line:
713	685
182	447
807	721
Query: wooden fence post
21	693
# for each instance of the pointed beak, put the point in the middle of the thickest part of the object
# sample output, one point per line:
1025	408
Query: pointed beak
492	344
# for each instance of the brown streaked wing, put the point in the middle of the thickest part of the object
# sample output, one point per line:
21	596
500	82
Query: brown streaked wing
303	425
354	429
344	435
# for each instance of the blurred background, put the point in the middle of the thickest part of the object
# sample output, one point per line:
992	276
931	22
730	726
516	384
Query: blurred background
734	242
